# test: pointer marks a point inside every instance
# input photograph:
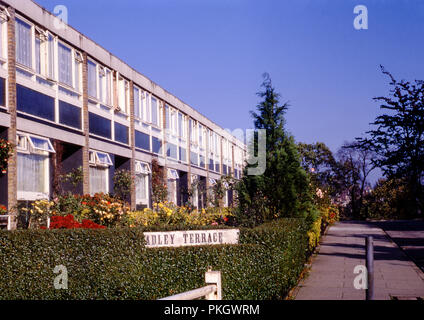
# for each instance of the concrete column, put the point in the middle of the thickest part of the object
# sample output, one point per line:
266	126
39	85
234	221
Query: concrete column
85	149
132	144
12	172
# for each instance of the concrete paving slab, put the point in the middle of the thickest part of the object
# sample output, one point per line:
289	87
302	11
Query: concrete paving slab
343	248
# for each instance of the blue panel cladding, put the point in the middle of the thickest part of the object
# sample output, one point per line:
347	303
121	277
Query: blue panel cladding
100	126
35	103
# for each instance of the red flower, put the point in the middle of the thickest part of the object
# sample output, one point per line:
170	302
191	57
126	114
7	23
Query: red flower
68	222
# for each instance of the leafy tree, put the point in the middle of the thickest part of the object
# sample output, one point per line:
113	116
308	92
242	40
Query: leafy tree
318	161
283	189
388	200
353	168
397	138
122	181
159	187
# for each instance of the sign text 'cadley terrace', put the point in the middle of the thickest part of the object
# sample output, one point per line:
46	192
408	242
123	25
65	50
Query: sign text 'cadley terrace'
191	238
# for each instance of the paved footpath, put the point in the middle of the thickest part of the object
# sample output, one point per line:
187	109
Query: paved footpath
343	247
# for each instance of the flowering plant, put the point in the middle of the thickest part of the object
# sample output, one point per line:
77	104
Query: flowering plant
6	150
101	208
38	213
3	210
167	213
68	222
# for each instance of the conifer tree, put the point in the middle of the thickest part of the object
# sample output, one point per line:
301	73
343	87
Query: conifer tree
283	190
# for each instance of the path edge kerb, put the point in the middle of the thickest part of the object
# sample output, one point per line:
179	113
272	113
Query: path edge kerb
409	258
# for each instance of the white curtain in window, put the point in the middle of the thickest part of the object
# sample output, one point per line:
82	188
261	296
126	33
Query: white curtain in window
23	43
32	173
140	188
65	64
98	180
172	191
92	82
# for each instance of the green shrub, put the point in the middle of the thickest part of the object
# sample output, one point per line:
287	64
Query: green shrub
114	264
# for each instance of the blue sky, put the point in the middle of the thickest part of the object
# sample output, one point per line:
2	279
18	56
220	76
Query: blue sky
212	53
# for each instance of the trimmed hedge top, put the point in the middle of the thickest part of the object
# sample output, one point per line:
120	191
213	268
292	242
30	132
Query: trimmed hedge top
114	263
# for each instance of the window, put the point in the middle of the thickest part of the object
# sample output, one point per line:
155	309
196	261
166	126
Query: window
195	195
146	107
192	128
92	82
142	167
3	19
23	43
77	69
99	172
99	182
38	54
174	125
155	112
172	185
33	167
173	174
167	118
201	141
142	171
137	104
108	87
123	96
65	64
181	125
102	84
51	70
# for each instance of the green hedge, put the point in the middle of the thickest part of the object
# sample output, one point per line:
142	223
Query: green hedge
114	264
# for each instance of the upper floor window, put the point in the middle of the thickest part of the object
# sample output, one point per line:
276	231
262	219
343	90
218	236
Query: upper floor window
92	79
181	125
65	64
23	32
100	83
155	111
201	140
137	103
124	98
193	131
3	30
167	118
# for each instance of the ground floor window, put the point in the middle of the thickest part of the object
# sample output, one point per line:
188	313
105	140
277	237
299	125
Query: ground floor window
195	191
172	185
142	170
99	172
33	167
99	180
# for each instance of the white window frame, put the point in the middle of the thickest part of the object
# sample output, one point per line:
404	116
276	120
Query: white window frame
94	161
139	167
173	174
27	147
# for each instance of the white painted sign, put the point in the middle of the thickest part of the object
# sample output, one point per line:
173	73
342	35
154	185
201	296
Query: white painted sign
191	238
